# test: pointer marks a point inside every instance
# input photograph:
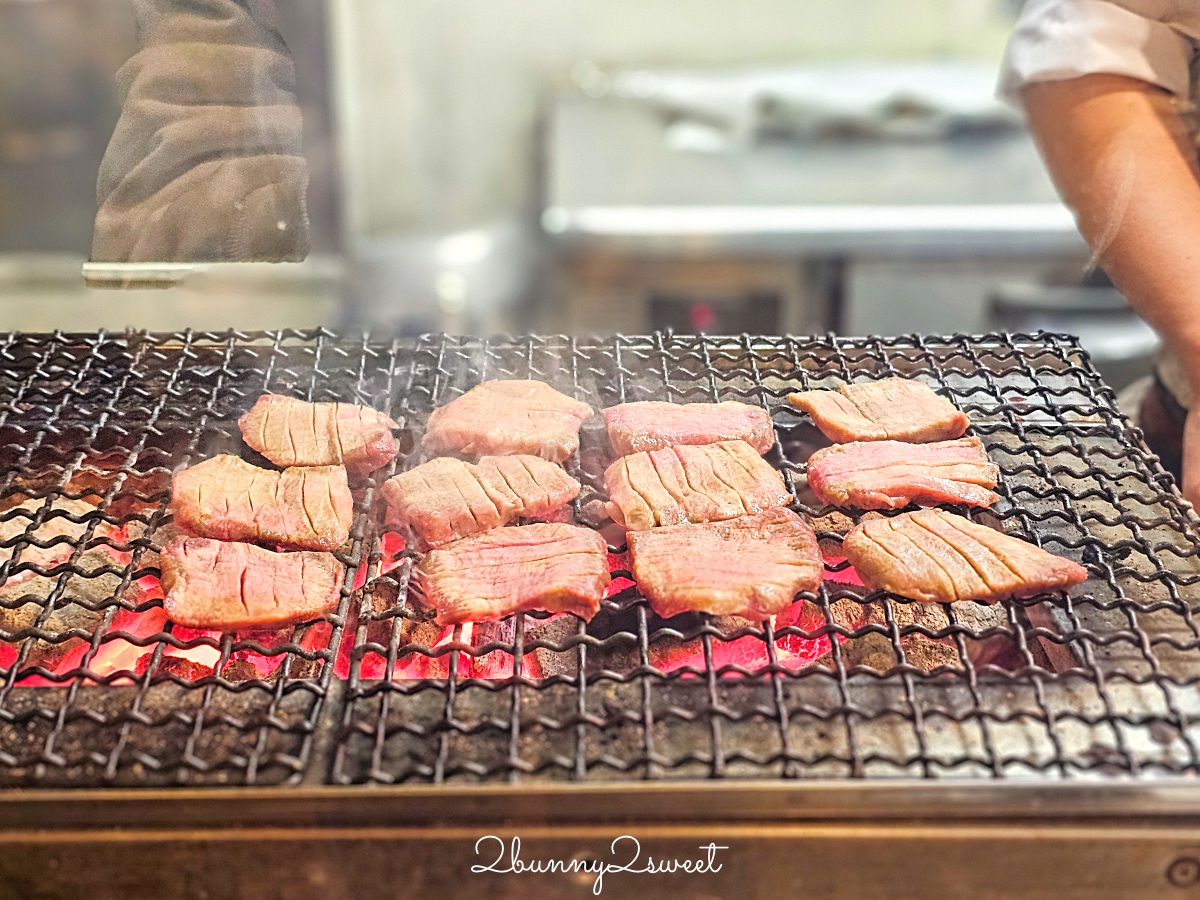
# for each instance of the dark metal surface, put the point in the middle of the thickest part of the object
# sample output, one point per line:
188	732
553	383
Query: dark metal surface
1098	684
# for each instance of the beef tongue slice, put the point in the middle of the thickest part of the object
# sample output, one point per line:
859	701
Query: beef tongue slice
692	484
232	586
548	566
752	566
228	499
447	499
653	425
936	556
897	409
501	418
292	432
893	474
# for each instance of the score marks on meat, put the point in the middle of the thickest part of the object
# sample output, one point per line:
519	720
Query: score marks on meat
212	579
893	474
693	484
550	566
446	499
751	566
655	425
291	432
231	586
938	557
897	409
228	499
501	418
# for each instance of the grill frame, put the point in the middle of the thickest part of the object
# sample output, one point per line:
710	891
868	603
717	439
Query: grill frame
51	396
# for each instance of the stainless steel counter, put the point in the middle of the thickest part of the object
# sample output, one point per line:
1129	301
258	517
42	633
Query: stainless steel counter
613	182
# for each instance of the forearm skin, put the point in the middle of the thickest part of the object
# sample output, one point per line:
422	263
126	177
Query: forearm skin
1120	155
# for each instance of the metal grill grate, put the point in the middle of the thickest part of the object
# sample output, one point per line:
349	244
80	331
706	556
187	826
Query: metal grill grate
97	687
851	685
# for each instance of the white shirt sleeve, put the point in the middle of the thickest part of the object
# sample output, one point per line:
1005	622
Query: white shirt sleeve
1055	40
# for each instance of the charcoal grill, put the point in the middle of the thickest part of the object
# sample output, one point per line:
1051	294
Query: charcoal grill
857	744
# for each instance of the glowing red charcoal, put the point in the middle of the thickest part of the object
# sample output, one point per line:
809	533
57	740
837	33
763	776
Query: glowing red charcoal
391	545
122	655
844	576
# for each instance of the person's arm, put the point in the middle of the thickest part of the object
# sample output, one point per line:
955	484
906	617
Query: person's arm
1121	157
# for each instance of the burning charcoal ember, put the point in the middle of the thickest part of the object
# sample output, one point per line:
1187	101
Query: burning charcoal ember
413	627
832	521
556	631
64	618
685	484
181	666
81	606
730	625
412	633
56	523
291	432
827	525
499	631
230	500
558	568
242	670
893	474
610	621
751	566
668	653
995	649
740	643
876	651
501	418
229	586
302	669
252	665
653	425
447	499
897	409
497	663
155	540
935	556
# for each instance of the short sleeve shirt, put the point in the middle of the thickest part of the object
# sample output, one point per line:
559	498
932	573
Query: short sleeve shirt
1157	41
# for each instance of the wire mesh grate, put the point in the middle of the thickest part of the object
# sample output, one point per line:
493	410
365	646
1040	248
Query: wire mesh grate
1096	682
98	687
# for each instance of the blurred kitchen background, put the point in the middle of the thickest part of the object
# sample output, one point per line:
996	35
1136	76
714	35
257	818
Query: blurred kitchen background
589	166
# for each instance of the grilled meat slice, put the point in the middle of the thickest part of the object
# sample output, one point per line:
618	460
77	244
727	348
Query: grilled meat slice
897	409
447	499
232	586
228	499
704	483
938	557
502	418
653	425
751	566
291	432
892	474
550	566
